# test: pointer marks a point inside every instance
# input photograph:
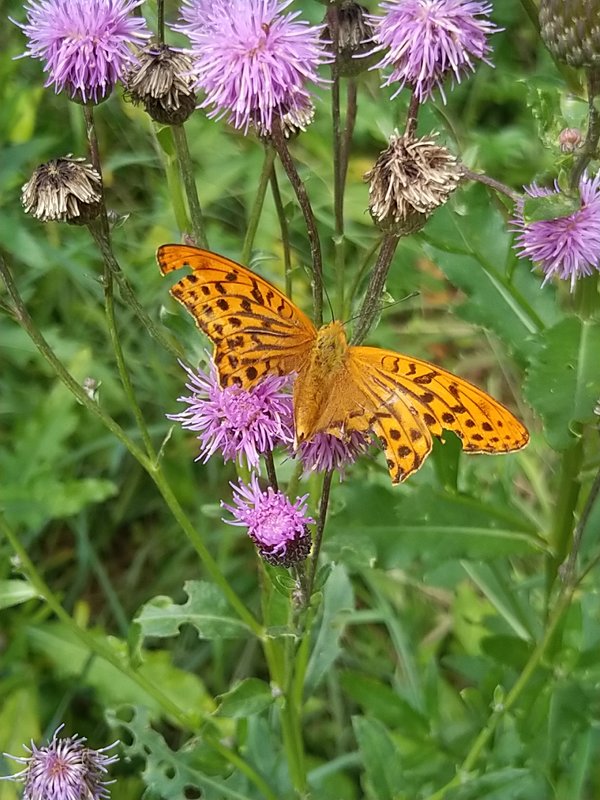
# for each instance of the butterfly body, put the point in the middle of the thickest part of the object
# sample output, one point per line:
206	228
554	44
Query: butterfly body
256	330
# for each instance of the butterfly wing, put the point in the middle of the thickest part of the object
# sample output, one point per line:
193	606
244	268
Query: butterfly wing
255	329
407	401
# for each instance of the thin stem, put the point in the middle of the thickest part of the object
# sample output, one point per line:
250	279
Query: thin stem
590	145
101	233
153	469
360	272
567	571
272	475
160	25
309	218
492	182
94	644
371	304
338	171
285	232
412	115
259	200
351	111
511	698
189	182
314	559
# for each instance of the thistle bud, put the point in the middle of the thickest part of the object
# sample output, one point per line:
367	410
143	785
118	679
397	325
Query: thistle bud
162	81
349	23
571	31
63	190
409	180
570	139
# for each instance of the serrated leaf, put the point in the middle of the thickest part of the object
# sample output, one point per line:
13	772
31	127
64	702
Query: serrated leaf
563	379
206	609
250	696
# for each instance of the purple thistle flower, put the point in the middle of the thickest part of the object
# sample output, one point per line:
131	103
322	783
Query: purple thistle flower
251	60
326	452
427	39
240	423
84	44
565	246
64	770
277	527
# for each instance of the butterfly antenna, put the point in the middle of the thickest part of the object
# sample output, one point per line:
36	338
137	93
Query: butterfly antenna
386	306
329	303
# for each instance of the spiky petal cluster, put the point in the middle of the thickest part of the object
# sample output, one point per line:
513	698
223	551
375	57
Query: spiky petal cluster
66	769
277	526
426	40
327	452
566	246
239	423
252	61
85	45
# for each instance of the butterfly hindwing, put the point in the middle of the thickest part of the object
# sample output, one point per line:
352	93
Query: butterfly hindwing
425	400
255	329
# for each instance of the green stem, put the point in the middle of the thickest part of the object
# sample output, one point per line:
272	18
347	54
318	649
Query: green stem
511	698
338	173
259	200
299	188
285	233
272	475
588	151
314	559
371	304
85	636
153	469
568	569
160	25
189	182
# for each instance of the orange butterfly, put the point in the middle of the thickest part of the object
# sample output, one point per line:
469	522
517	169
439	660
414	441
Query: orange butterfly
257	331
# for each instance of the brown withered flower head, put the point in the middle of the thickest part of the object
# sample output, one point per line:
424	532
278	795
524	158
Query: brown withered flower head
350	21
409	180
63	190
163	82
293	121
571	30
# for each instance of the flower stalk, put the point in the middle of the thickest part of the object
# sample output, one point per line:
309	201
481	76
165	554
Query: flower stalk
186	168
372	303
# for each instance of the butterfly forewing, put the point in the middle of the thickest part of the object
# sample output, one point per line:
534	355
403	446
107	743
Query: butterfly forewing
255	329
424	399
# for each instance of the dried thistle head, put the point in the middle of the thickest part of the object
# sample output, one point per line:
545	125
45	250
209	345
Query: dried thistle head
293	121
63	190
410	179
163	82
350	21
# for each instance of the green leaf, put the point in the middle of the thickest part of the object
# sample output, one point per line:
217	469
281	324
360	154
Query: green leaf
563	379
381	758
14	592
206	609
249	697
383	703
552	207
170	774
338	598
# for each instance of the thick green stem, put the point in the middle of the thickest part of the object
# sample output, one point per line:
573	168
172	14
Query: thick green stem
590	146
189	182
259	201
314	559
371	304
338	170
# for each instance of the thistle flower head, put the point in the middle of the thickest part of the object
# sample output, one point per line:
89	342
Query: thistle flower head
410	179
252	61
65	769
63	190
570	30
567	246
327	452
277	526
83	44
426	40
239	423
161	80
